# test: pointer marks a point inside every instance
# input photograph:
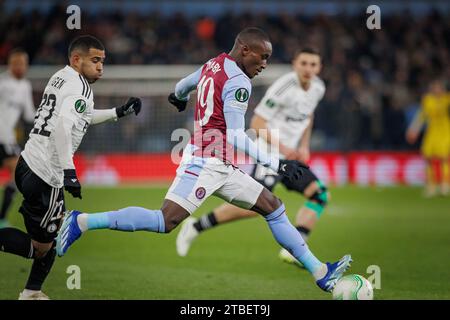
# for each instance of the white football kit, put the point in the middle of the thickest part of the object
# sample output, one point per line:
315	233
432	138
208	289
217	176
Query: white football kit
65	112
288	108
15	99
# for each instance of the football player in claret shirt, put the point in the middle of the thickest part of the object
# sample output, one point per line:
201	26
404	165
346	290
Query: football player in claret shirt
288	107
223	89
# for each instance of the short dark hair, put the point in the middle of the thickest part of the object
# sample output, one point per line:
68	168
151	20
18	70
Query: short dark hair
17	50
250	34
84	43
307	49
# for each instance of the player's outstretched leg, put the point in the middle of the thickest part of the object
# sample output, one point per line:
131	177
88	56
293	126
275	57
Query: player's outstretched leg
128	219
288	237
317	197
17	242
42	264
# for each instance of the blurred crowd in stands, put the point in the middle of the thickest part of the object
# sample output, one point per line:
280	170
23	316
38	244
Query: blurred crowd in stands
375	78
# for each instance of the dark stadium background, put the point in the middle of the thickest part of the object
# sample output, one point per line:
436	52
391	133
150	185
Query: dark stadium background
374	78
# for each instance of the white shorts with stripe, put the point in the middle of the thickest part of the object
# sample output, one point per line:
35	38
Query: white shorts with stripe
198	178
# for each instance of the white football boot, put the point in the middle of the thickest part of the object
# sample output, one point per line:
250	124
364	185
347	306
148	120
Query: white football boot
33	295
285	256
186	236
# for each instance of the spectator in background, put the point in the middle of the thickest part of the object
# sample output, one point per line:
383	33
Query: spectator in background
205	29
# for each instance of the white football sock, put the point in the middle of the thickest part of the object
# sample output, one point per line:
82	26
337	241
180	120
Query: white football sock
82	221
321	272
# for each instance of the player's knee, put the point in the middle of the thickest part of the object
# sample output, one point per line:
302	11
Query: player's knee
268	202
172	220
319	199
41	249
173	215
275	203
39	254
170	225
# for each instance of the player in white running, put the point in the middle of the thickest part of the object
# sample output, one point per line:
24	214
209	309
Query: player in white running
46	165
223	89
287	107
16	99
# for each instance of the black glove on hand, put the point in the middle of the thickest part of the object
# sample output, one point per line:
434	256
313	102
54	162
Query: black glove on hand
71	183
133	105
291	169
179	104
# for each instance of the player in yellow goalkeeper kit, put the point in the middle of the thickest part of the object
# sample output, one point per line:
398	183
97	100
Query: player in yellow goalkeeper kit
435	112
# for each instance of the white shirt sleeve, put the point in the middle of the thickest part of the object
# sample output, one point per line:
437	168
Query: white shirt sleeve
104	115
236	93
273	100
237	137
68	117
322	92
268	107
319	88
29	110
2	89
184	87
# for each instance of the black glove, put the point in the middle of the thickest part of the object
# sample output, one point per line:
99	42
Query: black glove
291	169
133	105
179	104
71	183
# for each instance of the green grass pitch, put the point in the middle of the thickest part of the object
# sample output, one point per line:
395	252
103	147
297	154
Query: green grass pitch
407	236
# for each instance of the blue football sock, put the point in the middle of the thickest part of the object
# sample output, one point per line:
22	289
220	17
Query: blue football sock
97	221
290	239
128	219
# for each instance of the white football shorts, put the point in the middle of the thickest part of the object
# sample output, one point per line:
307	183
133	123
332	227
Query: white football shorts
198	178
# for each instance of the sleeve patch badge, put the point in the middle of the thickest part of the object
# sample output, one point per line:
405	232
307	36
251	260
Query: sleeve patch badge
270	103
80	105
241	95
